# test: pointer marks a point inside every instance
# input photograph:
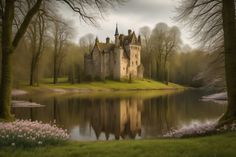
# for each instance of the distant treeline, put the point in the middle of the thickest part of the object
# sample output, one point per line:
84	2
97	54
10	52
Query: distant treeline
166	58
47	51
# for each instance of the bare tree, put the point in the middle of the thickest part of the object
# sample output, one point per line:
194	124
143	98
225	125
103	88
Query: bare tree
145	33
157	46
87	42
205	19
214	24
61	32
171	44
16	16
36	34
228	12
164	42
9	44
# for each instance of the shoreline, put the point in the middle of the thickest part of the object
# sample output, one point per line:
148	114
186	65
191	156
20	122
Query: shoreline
92	87
220	98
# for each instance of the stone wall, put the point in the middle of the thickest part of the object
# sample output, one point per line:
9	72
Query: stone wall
96	63
115	64
135	60
124	67
88	65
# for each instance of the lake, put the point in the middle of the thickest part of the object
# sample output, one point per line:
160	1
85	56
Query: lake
120	115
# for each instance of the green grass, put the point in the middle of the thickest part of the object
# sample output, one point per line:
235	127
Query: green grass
101	86
211	146
50	80
113	85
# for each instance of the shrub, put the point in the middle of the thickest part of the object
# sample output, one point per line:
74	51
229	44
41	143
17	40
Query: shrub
30	133
194	129
199	129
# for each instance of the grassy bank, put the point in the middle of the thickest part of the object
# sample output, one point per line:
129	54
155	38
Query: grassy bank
116	85
107	85
212	146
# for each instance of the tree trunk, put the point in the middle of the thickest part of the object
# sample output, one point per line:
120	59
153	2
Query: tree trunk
32	72
8	46
37	74
7	49
6	83
55	71
158	70
165	71
79	75
228	13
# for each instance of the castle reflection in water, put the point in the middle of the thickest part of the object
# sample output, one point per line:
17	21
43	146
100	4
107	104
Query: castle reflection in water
120	117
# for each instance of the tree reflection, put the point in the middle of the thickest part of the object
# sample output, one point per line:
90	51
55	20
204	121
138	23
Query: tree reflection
122	117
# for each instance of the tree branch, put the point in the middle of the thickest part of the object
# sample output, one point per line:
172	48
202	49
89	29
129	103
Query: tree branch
21	31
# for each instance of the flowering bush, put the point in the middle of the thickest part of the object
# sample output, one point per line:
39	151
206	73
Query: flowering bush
197	128
194	129
30	133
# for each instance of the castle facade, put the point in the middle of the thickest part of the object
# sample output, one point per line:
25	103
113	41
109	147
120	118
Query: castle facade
119	60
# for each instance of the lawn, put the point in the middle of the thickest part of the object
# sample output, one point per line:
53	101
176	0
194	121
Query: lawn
211	146
144	84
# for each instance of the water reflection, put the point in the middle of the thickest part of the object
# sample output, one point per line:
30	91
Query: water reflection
139	115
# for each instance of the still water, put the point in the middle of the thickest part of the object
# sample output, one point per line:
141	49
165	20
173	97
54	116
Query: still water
120	115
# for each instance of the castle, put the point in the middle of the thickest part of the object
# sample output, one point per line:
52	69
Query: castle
118	61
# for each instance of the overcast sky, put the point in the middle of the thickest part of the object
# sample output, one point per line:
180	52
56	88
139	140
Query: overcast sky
132	15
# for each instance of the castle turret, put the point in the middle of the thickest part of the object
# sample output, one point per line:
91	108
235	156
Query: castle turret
107	40
139	39
117	41
129	32
96	40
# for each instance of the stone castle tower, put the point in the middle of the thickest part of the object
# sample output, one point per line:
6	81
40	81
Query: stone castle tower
119	60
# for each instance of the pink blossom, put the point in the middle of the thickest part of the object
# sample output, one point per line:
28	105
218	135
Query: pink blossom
32	132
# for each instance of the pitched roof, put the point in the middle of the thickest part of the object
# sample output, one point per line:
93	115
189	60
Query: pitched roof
129	39
124	41
105	47
117	32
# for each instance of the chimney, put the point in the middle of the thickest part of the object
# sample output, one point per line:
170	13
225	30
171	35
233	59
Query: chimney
121	38
129	32
139	39
107	40
96	40
117	41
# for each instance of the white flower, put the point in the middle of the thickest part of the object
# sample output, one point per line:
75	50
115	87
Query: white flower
31	132
40	142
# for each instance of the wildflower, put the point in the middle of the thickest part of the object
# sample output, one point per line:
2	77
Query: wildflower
40	142
30	132
194	128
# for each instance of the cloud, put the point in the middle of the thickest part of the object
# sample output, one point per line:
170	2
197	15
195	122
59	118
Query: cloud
132	15
147	8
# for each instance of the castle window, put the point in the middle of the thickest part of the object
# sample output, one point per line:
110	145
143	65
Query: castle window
136	62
